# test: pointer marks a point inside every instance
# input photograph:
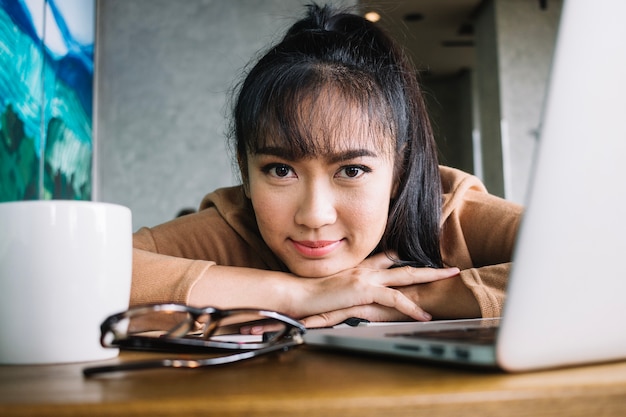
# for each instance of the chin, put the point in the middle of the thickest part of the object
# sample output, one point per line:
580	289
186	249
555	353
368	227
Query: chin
301	269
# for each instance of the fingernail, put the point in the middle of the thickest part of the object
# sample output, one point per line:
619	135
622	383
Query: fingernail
257	330
426	316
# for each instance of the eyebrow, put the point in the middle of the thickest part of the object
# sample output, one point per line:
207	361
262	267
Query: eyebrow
286	153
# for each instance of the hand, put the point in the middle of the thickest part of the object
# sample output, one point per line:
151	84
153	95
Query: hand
371	291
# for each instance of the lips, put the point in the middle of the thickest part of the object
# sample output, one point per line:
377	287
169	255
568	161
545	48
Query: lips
317	248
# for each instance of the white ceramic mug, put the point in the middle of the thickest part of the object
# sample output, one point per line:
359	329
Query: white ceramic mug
64	267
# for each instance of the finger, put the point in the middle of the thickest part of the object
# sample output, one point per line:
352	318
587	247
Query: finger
333	318
408	275
323	320
259	329
393	298
372	313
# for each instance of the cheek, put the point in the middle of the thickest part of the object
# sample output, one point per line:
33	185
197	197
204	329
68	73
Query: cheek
370	217
272	213
368	213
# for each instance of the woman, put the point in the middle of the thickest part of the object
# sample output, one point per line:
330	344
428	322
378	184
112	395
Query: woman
344	211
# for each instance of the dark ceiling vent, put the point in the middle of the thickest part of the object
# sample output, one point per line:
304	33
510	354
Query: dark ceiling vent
457	43
413	17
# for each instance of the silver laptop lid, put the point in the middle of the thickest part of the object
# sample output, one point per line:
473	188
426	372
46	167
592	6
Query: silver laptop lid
566	297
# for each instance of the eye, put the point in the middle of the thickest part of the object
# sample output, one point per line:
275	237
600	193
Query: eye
353	171
279	170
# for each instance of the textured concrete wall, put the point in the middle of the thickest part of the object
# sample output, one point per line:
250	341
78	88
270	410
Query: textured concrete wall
515	43
165	68
488	98
164	71
526	39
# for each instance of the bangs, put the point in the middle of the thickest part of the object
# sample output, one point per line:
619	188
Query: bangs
321	111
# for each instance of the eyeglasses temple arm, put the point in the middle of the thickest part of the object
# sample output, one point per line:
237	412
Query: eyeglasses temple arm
187	363
127	366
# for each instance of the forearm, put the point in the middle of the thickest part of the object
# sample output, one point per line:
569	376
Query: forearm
178	262
299	297
163	279
228	286
159	278
475	292
449	299
488	286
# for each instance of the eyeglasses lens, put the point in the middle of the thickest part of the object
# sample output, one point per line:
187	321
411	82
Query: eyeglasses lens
239	329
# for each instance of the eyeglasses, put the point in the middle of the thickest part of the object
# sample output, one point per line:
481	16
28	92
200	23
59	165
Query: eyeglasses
244	333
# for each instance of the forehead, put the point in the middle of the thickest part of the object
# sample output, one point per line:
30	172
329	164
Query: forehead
326	123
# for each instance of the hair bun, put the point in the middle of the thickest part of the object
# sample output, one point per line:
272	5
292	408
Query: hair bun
316	19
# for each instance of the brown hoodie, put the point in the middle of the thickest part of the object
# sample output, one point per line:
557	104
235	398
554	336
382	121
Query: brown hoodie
478	233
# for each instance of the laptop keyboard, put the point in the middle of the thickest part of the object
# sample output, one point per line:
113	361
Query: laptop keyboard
475	335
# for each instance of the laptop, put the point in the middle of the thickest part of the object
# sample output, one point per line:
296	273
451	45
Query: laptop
566	296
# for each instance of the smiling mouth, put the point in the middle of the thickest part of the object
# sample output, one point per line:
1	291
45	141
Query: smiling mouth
316	249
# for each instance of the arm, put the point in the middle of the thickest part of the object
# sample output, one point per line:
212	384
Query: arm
478	236
162	278
302	297
201	259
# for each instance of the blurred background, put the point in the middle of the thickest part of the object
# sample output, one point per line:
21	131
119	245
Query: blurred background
164	72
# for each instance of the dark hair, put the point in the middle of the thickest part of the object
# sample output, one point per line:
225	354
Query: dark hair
356	61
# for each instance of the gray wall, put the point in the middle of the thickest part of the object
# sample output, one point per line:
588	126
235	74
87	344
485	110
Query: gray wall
486	119
526	39
515	42
164	70
487	92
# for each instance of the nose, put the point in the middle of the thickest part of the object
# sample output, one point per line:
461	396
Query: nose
316	206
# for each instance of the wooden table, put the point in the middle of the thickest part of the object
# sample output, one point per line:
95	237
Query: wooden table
312	382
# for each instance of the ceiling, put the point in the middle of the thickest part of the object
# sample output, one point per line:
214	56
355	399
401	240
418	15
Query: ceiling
438	34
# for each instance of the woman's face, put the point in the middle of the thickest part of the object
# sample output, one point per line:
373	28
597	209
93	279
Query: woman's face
325	213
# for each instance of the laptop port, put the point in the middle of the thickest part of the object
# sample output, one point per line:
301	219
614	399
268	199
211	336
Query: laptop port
413	348
462	354
437	350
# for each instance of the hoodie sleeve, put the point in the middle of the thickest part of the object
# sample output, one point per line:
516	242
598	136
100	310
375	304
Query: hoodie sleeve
478	236
170	258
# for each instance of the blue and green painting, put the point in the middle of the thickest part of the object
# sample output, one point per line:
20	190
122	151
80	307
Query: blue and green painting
46	92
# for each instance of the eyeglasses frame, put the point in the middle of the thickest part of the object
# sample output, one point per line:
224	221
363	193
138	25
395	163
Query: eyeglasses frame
174	340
